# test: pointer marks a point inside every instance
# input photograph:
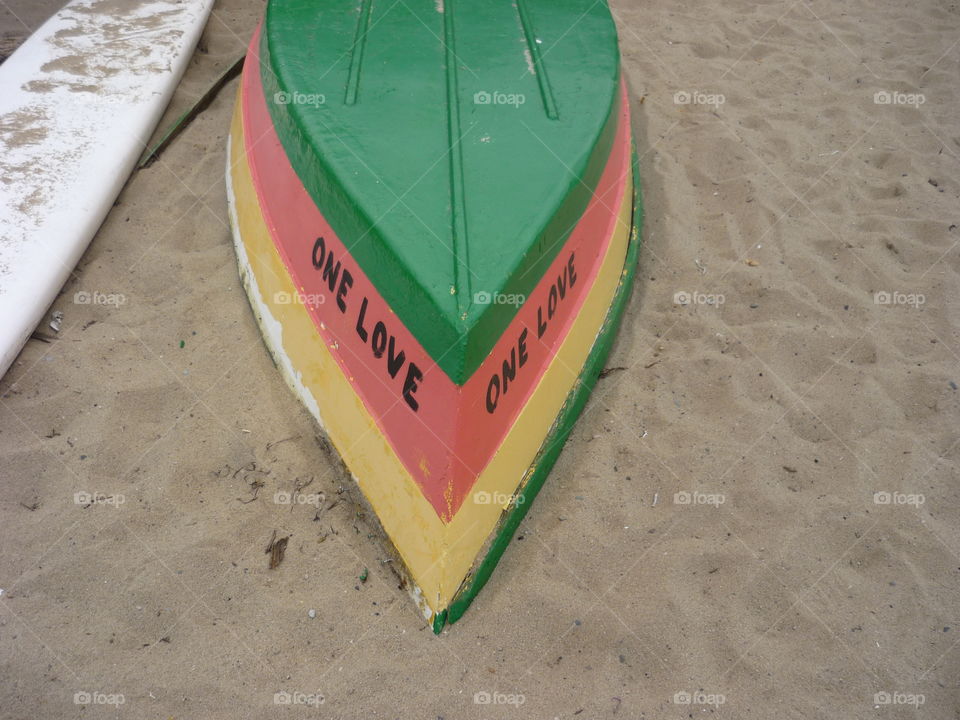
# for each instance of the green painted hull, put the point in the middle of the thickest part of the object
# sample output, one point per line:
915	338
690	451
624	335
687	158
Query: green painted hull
405	123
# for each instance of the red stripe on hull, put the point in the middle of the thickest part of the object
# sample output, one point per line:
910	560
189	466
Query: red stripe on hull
443	433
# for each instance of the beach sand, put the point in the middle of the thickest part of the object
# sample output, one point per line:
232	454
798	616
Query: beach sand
712	531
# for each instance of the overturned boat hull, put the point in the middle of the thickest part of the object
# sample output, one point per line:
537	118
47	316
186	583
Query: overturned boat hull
448	456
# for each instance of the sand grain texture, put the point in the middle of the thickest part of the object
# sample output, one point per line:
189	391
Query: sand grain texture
794	398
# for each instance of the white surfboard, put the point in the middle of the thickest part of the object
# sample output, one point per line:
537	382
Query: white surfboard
78	102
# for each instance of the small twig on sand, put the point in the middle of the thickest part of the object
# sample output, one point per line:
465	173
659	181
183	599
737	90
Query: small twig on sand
273	444
276	548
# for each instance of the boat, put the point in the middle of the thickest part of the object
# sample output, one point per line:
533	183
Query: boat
78	101
436	217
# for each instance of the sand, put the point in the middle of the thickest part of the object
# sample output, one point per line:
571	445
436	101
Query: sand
713	530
